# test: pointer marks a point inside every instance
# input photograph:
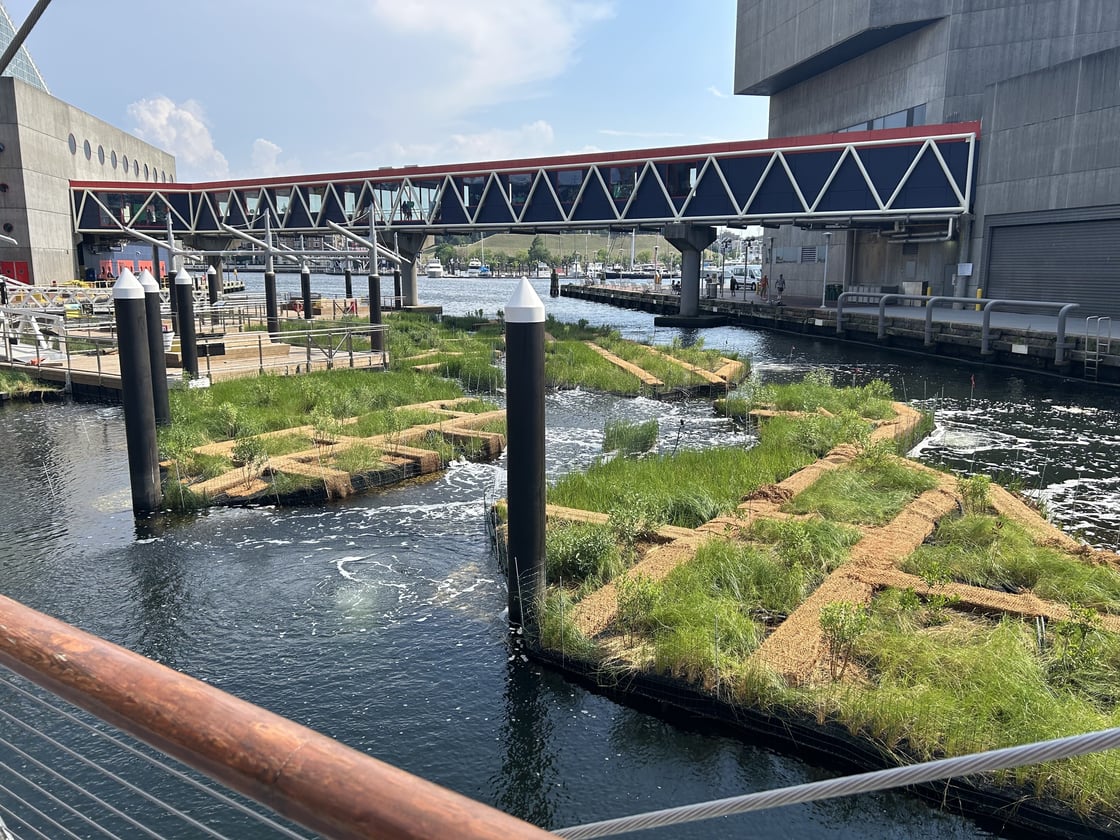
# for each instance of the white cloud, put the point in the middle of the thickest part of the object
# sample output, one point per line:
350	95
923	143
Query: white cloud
716	92
264	160
528	140
181	130
488	51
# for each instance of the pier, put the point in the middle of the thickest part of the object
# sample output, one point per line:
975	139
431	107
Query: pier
1025	335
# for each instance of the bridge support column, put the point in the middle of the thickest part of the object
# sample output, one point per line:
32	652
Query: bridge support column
409	246
690	240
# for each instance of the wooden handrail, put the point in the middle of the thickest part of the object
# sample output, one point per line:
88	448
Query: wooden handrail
299	773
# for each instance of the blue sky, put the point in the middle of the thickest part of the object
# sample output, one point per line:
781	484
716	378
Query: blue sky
245	88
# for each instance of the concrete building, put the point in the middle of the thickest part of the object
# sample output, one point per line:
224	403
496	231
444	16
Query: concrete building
1039	75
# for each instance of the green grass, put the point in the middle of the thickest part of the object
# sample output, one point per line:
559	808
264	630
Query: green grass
869	491
571	364
690	487
629	438
358	458
816	391
579	552
989	551
970	686
286	444
387	421
672	375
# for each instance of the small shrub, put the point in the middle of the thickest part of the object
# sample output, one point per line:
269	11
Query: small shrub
577	552
975	493
843	623
629	438
250	454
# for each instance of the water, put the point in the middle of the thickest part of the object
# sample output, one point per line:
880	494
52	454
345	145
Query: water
377	620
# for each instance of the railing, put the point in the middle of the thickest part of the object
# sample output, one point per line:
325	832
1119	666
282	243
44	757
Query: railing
294	771
1061	309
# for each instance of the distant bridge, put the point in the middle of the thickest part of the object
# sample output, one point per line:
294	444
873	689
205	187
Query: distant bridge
872	177
887	178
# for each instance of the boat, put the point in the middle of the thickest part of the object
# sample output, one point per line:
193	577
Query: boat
474	268
434	268
484	271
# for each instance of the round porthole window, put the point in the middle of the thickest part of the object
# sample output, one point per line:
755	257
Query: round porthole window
113	158
124	163
9	227
135	166
73	143
145	172
101	155
88	150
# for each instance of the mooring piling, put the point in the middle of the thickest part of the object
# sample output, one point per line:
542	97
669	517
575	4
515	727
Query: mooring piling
305	290
156	350
188	344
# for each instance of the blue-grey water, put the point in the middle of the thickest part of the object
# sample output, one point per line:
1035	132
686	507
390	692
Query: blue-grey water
377	620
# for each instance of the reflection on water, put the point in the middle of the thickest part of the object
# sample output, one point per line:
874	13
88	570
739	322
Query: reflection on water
377	620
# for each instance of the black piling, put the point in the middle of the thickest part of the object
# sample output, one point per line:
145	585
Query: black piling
397	288
271	310
554	284
213	290
525	483
377	340
305	290
348	276
188	342
156	348
130	314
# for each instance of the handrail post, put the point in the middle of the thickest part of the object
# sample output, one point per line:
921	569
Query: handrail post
929	318
840	311
985	328
1060	338
260	355
882	332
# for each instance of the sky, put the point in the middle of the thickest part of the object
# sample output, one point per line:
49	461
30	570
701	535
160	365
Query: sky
254	88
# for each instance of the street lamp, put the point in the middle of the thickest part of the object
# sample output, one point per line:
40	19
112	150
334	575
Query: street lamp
827	248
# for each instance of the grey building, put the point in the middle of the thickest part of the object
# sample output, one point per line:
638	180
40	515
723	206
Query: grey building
1040	76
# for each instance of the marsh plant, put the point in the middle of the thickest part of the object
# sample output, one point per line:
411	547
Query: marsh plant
629	438
842	623
250	453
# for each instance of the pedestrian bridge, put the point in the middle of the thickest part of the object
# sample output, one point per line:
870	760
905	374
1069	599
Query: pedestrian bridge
867	178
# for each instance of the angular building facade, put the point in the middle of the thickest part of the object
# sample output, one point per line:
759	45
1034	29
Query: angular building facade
1041	77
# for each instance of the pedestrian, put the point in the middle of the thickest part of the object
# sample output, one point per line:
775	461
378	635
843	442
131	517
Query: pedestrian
764	287
781	287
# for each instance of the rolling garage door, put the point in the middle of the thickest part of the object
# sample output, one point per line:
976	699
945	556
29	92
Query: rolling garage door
1075	262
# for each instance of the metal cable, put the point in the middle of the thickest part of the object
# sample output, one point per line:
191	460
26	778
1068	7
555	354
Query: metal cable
166	768
54	823
1001	759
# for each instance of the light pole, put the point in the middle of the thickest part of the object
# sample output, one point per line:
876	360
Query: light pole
824	282
768	280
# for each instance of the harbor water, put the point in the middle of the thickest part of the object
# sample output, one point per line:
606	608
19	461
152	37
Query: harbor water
377	620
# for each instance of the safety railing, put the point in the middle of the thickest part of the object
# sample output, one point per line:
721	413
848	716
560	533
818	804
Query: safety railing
1061	310
294	771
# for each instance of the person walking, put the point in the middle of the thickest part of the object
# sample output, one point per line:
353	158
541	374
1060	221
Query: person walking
780	286
764	287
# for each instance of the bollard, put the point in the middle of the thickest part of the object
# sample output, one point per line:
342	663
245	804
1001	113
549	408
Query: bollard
554	284
130	314
188	345
305	289
272	313
377	339
156	349
525	482
348	275
212	287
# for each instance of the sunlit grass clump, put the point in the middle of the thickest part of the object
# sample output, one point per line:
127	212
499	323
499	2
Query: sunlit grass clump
871	490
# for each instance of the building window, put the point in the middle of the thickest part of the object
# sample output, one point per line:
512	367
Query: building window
135	167
113	158
73	143
899	119
101	155
145	172
88	150
124	163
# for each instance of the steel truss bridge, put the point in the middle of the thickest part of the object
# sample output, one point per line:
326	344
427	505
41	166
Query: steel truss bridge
898	178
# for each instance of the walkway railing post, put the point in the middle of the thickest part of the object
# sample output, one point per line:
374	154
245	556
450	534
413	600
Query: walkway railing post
525	423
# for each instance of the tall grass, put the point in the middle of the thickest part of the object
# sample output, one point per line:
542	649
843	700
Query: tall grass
816	391
571	364
970	686
989	551
629	438
869	490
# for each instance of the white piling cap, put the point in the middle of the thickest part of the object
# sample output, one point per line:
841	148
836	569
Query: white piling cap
183	279
148	282
211	270
524	306
127	287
